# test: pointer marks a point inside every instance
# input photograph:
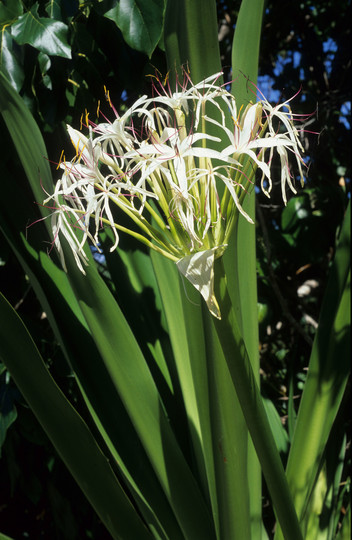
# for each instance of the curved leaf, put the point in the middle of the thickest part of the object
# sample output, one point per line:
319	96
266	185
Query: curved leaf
66	429
9	63
131	377
329	369
140	21
60	305
10	9
46	35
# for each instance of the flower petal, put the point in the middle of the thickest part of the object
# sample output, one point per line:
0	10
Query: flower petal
198	268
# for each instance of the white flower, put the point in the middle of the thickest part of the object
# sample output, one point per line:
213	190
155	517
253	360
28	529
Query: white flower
182	187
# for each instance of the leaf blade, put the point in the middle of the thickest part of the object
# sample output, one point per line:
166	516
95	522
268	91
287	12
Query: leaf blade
65	428
45	34
140	21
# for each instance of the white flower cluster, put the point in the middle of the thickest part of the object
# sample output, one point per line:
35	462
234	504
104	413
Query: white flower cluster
179	165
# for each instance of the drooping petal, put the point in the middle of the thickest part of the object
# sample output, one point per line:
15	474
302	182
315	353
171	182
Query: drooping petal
198	268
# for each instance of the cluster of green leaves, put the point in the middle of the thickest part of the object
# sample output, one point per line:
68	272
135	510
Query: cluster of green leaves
61	54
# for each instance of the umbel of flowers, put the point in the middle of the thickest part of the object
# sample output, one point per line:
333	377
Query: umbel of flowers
181	187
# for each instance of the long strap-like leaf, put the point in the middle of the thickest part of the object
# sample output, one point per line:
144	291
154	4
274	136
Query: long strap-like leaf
329	369
66	429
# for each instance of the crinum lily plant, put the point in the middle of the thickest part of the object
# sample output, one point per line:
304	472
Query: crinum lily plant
182	187
174	436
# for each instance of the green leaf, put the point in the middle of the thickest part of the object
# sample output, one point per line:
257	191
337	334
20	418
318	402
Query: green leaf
230	437
252	406
53	9
8	413
190	38
131	377
9	10
140	21
329	369
27	137
44	65
66	429
279	432
51	286
46	35
9	62
183	316
5	537
245	49
240	257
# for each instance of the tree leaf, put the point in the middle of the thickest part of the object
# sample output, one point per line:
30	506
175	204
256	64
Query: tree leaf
53	9
9	10
46	35
140	21
9	64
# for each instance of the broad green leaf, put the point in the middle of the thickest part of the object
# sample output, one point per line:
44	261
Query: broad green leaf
181	304
240	258
244	380
190	38
133	381
10	10
53	9
140	21
9	62
245	50
59	303
229	434
66	429
44	34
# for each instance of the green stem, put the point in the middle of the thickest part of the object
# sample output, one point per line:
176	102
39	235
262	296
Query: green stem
253	410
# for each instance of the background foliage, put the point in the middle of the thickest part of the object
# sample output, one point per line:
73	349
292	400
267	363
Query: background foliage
63	56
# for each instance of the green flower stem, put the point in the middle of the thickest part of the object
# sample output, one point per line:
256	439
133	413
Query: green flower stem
251	403
138	237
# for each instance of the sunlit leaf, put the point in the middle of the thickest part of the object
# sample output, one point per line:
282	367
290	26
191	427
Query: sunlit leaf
9	64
